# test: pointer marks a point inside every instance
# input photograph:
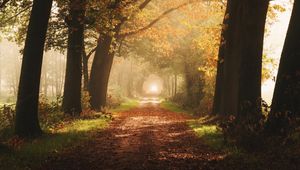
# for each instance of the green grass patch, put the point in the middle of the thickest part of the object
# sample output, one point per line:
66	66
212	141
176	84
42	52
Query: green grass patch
172	107
210	134
32	153
129	104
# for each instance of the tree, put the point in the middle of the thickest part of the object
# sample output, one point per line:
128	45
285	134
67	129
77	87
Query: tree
252	35
220	66
241	85
99	74
104	55
72	88
27	123
286	96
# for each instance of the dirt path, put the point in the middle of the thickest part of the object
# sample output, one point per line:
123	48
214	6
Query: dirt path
147	137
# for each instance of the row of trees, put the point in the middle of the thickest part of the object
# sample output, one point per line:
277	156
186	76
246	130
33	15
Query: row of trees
89	25
238	82
100	28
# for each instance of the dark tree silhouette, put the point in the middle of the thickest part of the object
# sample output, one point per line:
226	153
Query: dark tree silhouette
220	66
287	89
27	123
239	84
72	88
251	51
100	72
238	81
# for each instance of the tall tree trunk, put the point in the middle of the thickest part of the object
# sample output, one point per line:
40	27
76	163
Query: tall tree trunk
101	68
100	72
72	88
242	61
287	89
220	66
27	123
252	34
229	98
0	83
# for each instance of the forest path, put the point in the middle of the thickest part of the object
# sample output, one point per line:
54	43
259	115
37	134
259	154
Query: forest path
147	137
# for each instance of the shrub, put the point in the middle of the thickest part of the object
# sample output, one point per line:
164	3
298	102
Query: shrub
7	116
246	131
85	100
282	124
114	101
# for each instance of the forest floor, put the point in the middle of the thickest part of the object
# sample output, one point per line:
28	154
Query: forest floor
147	137
161	137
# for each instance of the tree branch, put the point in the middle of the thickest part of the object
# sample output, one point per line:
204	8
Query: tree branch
19	13
2	4
141	7
154	21
129	3
144	4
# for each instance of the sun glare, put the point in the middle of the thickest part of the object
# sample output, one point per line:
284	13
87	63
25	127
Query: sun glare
153	88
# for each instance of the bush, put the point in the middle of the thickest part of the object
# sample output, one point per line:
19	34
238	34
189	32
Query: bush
7	118
46	107
246	132
282	124
85	100
181	99
254	130
113	101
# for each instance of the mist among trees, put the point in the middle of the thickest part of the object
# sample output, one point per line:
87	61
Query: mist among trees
149	84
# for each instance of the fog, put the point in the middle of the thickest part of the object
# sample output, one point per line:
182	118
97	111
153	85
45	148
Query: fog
144	65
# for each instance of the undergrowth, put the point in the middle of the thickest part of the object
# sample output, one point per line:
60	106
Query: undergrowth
174	107
127	105
245	143
60	131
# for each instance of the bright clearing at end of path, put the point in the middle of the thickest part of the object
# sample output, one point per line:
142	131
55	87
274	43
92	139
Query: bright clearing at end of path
153	85
153	88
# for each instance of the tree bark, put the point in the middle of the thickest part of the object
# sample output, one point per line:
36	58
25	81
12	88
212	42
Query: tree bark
242	61
220	66
252	34
72	88
287	89
100	72
0	78
101	68
27	123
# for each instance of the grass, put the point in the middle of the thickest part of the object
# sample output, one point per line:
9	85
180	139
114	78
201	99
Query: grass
31	153
173	107
211	135
129	104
